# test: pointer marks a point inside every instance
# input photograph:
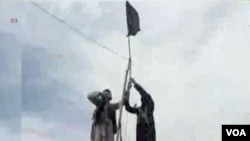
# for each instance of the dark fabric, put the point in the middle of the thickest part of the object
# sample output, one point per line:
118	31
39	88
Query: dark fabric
144	131
97	112
133	22
92	131
112	115
141	132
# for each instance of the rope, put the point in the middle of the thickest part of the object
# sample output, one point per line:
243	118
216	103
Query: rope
77	31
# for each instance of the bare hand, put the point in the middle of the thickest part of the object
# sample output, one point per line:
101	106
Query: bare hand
132	80
126	96
129	85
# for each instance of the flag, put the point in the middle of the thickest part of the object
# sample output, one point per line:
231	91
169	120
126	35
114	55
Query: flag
132	20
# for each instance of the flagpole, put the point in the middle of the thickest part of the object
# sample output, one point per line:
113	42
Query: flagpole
133	28
128	72
129	49
130	56
119	136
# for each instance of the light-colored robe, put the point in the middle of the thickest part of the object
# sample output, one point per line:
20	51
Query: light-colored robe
102	130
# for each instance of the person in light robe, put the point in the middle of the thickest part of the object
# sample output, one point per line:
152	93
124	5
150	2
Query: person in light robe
104	125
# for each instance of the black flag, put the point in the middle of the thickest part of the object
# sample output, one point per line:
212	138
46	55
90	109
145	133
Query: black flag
132	20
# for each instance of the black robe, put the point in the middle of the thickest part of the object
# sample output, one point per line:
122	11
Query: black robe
145	129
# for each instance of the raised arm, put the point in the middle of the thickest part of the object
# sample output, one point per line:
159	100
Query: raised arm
128	107
95	98
139	88
115	106
145	95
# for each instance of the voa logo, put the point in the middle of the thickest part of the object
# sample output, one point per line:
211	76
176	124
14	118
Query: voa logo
236	132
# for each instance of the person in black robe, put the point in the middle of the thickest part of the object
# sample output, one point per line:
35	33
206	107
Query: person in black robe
145	129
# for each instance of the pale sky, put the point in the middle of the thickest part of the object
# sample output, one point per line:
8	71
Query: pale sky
191	56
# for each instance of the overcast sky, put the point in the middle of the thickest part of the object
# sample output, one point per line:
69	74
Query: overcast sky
192	57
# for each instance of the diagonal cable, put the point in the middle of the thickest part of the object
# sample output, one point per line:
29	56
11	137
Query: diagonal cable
77	31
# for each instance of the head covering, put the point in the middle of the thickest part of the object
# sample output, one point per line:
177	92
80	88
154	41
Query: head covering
107	94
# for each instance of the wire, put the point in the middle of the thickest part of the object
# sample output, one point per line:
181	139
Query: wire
94	41
78	31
